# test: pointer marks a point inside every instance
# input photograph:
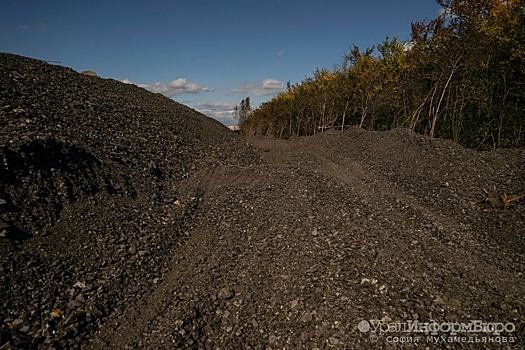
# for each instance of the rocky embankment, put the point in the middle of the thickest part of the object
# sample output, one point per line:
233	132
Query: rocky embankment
94	195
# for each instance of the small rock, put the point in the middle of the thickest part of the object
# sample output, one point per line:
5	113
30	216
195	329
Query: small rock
333	341
80	285
225	293
156	280
367	280
133	250
56	313
80	298
2	201
17	322
73	304
306	317
439	301
89	73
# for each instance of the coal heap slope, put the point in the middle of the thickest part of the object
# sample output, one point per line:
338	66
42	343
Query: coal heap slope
65	136
93	173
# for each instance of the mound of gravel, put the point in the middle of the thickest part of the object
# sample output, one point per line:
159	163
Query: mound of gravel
94	193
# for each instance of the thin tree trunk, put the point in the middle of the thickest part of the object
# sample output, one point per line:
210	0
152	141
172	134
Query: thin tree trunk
434	120
344	116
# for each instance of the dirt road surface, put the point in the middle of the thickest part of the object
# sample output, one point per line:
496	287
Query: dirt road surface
324	232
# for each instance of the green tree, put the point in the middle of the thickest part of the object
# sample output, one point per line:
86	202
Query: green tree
462	76
242	112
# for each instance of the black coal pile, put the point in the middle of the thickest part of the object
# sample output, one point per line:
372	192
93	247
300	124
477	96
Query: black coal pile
95	187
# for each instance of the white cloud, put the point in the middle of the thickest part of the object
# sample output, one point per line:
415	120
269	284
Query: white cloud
222	111
267	87
280	53
175	87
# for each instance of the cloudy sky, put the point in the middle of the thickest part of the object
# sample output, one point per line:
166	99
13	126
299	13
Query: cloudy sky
206	54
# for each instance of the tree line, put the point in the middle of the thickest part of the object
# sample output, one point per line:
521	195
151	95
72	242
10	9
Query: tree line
461	77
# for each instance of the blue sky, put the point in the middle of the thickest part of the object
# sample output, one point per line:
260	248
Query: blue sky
206	54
